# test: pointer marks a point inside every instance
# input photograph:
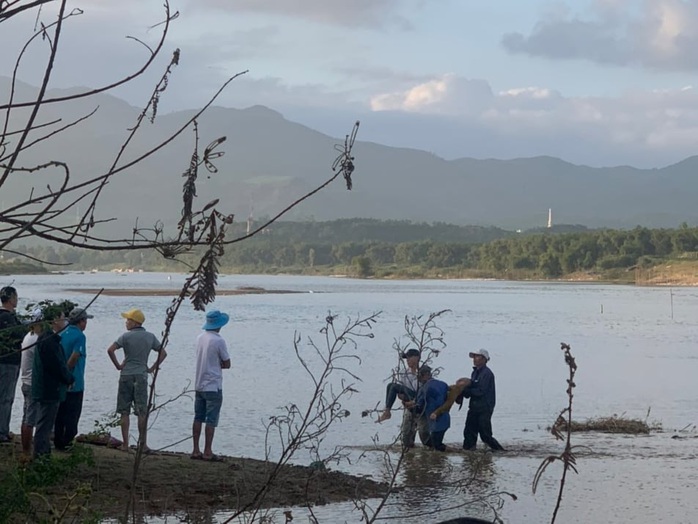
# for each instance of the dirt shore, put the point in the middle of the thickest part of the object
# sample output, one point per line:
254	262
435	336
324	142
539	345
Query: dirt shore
172	483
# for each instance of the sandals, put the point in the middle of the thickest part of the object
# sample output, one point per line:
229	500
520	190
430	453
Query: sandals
212	458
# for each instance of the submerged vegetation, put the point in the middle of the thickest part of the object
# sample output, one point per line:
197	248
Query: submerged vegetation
402	249
615	424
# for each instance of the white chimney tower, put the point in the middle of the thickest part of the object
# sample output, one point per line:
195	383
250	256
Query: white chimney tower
550	218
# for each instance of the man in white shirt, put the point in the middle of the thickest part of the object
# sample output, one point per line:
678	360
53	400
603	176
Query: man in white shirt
30	406
211	359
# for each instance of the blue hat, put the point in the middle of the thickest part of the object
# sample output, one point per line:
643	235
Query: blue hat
215	320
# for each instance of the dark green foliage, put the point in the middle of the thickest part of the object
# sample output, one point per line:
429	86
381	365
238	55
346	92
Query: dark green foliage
362	266
50	310
404	249
45	472
18	267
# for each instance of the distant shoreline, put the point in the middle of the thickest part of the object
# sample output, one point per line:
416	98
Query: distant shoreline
145	292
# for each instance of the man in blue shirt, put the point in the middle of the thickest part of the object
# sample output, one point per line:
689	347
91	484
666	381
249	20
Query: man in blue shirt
481	393
430	396
74	345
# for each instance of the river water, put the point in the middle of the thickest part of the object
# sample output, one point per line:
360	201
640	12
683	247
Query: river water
635	348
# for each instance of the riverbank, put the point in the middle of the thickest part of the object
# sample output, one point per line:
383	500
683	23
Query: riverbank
669	273
98	478
137	292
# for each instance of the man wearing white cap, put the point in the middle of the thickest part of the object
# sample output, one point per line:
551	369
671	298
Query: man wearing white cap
31	407
481	393
211	358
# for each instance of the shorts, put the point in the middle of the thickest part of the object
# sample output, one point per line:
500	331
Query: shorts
133	389
31	407
207	407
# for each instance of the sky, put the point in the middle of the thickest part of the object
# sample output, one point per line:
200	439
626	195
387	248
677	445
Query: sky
595	82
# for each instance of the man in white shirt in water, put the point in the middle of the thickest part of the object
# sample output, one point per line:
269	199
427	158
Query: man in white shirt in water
211	359
404	386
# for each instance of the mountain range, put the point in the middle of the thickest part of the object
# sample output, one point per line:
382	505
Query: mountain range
270	161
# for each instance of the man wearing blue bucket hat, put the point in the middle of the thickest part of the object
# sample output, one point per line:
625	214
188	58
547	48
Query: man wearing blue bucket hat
211	359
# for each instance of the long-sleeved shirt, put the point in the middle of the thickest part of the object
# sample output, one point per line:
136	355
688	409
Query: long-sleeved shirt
481	390
50	374
454	391
11	334
430	396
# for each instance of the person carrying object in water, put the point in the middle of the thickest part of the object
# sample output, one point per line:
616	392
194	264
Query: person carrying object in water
432	394
481	393
455	392
404	386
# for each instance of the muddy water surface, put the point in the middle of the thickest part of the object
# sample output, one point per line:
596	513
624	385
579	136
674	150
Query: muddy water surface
635	348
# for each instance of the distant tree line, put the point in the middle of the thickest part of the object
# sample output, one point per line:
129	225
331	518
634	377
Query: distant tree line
369	229
546	255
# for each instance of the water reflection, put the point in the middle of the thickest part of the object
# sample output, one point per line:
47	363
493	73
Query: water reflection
446	485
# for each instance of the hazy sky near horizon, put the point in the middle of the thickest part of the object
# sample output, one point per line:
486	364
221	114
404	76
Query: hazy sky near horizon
599	82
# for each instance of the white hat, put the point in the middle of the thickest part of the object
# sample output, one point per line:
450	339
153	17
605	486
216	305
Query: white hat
37	315
482	352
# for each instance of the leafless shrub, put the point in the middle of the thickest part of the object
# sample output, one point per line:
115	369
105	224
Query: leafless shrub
561	431
44	212
303	428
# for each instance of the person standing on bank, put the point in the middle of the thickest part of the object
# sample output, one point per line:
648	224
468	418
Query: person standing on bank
11	334
481	393
29	411
211	359
50	378
137	344
74	345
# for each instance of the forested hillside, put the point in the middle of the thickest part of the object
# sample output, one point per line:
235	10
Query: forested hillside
368	248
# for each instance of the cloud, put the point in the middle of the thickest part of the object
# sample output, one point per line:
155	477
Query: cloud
655	34
367	13
658	125
448	94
